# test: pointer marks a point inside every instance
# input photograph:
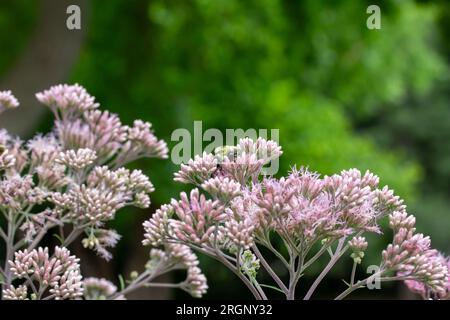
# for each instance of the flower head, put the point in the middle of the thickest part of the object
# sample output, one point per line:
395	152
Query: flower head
7	101
67	99
60	272
77	159
411	256
358	245
98	288
197	170
15	293
224	189
197	216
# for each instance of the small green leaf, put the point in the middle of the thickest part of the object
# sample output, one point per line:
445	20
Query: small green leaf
61	240
122	282
271	287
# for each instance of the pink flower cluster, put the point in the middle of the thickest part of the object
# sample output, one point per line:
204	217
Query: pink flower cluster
429	291
81	125
7	101
71	178
301	207
180	256
98	289
411	256
57	276
245	210
65	169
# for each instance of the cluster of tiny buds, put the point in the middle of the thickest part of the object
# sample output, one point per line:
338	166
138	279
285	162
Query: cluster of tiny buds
358	245
197	170
411	256
179	256
249	264
98	289
7	101
60	273
7	160
195	283
77	159
222	188
301	208
68	98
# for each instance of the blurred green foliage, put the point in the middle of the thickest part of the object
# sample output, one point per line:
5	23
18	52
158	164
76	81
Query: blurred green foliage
16	18
302	67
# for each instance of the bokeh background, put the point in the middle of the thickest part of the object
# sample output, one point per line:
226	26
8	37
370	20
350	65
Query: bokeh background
341	95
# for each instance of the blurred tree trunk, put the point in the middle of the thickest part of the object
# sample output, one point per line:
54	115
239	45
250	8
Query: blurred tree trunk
47	60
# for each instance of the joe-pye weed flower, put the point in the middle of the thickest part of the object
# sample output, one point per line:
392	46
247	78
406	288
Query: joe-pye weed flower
237	216
70	183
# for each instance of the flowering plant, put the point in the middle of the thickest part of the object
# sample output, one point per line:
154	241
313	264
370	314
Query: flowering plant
295	219
70	183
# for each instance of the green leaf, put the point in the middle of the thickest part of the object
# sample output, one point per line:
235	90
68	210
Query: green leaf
122	282
61	240
271	287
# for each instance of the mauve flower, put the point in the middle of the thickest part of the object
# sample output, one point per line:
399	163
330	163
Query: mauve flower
104	192
244	167
197	170
265	150
98	288
15	148
7	101
410	255
52	176
197	217
224	189
76	159
13	293
7	160
74	134
60	272
17	192
67	101
34	223
100	240
110	135
43	150
180	256
141	142
76	170
240	232
195	283
358	245
156	228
